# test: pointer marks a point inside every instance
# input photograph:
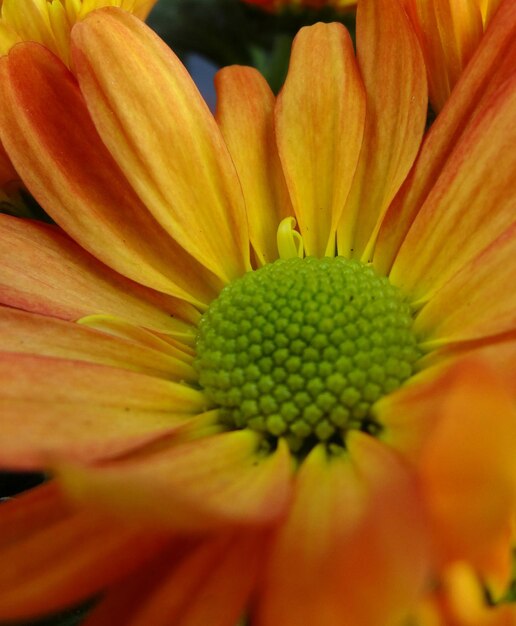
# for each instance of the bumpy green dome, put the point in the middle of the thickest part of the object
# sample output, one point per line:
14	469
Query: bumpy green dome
302	348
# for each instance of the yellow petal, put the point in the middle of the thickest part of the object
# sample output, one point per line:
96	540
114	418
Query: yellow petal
393	72
319	124
162	135
206	483
245	113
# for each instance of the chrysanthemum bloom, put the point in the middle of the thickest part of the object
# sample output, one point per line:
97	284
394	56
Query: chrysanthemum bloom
449	32
304	423
280	5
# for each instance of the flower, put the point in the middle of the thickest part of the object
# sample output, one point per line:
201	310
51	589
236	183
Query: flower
281	5
449	32
373	463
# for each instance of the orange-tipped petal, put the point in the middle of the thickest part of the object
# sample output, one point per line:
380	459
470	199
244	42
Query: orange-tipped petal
245	113
45	336
354	527
55	408
392	68
162	135
319	123
56	558
48	133
43	271
470	205
477	302
491	66
213	481
210	586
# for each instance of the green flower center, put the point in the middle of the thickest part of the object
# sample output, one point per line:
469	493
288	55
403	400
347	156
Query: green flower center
302	348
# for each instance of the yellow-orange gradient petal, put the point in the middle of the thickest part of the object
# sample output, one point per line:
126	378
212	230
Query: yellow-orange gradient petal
458	427
41	335
491	66
392	69
83	411
54	557
477	302
470	205
354	527
319	123
449	32
209	586
43	271
50	138
162	135
245	113
209	482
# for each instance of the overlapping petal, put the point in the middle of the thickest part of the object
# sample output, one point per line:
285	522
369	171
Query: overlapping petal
209	482
319	123
44	271
43	110
245	113
491	66
53	557
160	132
395	117
354	527
455	209
83	411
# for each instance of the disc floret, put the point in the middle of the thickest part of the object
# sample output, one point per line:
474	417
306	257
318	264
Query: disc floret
302	348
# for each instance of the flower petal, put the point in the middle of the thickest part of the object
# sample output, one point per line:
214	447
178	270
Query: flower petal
48	133
354	527
471	204
45	336
245	113
43	271
162	135
492	64
476	303
393	71
56	557
470	488
319	124
56	408
208	482
209	586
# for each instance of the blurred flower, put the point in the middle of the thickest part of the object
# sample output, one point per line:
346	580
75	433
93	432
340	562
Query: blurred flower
449	32
295	329
279	5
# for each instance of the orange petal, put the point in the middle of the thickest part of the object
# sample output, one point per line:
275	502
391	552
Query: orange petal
56	558
354	527
443	424
7	172
470	205
162	135
467	471
245	113
75	410
209	586
319	124
207	482
43	271
493	63
51	139
476	303
45	336
393	70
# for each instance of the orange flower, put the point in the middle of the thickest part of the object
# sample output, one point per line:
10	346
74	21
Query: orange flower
450	33
303	424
